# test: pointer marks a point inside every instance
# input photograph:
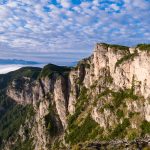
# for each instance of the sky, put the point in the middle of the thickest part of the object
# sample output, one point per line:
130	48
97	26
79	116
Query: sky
64	31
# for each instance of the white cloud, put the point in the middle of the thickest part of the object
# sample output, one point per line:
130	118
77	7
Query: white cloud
38	26
115	7
96	2
8	68
65	3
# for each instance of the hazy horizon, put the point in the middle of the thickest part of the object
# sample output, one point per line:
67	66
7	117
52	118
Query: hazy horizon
6	68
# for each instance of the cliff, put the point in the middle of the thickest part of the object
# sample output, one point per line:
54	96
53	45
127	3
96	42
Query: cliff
103	100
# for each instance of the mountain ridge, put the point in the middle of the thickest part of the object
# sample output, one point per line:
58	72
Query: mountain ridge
104	98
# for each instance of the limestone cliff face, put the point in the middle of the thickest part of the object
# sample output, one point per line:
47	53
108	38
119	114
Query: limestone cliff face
32	92
138	67
110	72
44	94
103	63
21	90
133	71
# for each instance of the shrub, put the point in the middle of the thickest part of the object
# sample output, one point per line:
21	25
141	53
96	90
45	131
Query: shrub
80	106
132	134
119	114
48	70
83	132
108	106
131	114
13	118
105	93
144	47
126	58
119	47
120	129
145	127
26	145
121	95
31	72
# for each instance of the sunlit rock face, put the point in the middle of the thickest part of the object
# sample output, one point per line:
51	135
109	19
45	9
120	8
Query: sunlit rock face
137	68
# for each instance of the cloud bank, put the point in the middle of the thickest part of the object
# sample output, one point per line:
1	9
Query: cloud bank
7	68
66	30
12	67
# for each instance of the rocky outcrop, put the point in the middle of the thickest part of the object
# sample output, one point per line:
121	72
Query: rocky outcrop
21	90
24	91
105	58
116	79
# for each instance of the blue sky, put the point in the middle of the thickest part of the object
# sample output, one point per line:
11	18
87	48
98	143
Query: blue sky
63	31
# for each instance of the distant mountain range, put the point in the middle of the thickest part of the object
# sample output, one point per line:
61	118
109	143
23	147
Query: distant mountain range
16	61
